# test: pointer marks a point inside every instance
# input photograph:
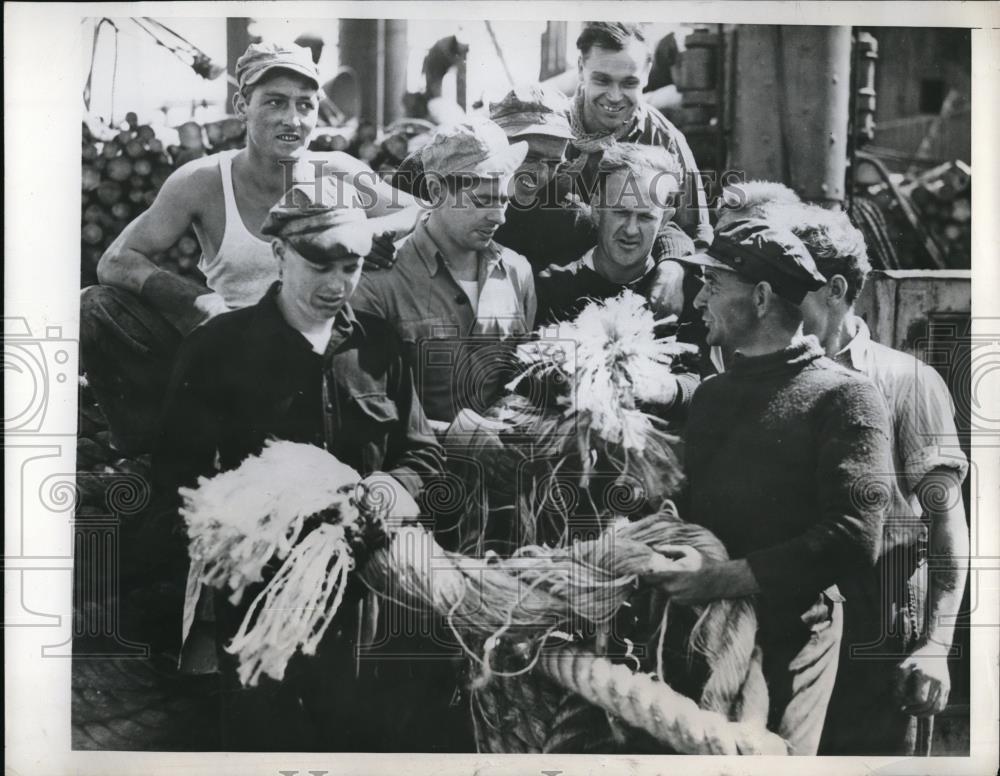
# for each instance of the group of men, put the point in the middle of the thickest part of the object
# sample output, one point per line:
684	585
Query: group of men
366	318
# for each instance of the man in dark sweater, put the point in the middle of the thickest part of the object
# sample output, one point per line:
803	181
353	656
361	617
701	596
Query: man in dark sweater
636	185
784	455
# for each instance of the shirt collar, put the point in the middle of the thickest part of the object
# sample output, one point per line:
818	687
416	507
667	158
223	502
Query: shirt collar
588	261
857	349
432	257
345	324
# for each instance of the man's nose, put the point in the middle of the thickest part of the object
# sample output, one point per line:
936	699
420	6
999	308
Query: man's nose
614	92
497	215
632	224
700	299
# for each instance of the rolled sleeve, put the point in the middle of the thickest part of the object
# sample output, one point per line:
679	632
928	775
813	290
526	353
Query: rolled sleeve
926	437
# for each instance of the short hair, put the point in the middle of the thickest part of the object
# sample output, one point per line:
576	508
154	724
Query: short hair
613	36
638	160
837	247
753	199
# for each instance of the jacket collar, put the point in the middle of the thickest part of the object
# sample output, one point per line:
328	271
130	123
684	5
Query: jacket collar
273	328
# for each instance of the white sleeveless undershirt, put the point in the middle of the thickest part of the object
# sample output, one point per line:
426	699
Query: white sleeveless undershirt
244	266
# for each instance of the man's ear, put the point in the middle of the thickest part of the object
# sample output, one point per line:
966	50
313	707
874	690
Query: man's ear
240	105
278	248
579	68
761	297
435	188
836	288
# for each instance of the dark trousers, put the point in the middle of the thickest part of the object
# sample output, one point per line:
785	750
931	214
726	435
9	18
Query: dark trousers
800	666
128	351
883	623
396	698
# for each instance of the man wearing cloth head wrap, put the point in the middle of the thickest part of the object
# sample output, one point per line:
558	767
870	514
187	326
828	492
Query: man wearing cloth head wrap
784	457
132	323
614	65
300	365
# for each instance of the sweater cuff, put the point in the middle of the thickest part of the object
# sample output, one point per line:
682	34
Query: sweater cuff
782	571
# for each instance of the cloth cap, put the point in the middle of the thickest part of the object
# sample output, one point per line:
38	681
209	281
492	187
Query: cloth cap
261	57
323	224
533	110
760	252
477	147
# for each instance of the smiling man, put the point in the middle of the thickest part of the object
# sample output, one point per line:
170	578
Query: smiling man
132	323
786	454
457	298
614	64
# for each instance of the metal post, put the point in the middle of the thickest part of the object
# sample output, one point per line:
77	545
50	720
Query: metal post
237	40
791	102
553	50
395	61
360	50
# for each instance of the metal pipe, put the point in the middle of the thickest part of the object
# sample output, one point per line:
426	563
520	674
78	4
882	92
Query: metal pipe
395	61
791	106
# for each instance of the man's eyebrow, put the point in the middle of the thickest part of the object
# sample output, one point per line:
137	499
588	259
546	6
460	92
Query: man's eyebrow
297	96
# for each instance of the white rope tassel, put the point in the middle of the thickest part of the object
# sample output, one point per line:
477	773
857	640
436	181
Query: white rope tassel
239	519
296	607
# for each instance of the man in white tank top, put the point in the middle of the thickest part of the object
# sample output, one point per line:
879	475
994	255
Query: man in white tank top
132	323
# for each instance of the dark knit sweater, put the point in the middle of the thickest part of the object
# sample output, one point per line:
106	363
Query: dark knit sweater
563	292
786	460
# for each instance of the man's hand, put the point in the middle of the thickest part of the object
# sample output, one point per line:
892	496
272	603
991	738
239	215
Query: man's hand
923	681
689	578
383	254
385	492
499	462
210	305
666	295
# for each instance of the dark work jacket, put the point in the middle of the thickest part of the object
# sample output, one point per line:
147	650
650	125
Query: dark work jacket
248	376
563	292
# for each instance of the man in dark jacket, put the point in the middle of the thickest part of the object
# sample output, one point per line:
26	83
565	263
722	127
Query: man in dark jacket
784	457
300	365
